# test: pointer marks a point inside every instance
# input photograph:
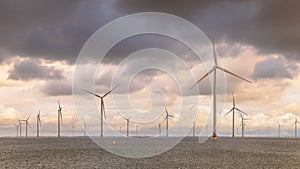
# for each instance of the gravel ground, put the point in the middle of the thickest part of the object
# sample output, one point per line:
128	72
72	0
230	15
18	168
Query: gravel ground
81	152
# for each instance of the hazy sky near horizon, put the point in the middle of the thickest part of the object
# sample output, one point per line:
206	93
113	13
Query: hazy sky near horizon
41	40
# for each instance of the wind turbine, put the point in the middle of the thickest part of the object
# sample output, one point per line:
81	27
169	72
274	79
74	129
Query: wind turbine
20	127
194	128
17	128
84	128
232	110
159	129
136	130
295	123
243	124
73	128
26	124
38	124
59	119
127	124
102	104
167	120
214	70
279	129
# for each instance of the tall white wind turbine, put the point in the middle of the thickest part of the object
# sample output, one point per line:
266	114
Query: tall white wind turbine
214	70
102	104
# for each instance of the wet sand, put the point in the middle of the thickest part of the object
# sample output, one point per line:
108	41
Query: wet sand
81	152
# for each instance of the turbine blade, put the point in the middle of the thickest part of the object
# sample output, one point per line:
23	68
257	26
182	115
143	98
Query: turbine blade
28	124
241	116
233	101
58	104
240	111
110	91
171	116
166	110
228	111
227	71
214	49
202	78
91	93
165	119
28	117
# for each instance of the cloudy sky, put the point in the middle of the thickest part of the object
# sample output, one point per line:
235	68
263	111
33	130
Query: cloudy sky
41	40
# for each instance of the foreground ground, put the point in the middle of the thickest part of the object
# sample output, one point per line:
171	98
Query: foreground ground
81	152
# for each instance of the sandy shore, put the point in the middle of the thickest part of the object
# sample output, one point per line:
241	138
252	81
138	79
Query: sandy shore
81	152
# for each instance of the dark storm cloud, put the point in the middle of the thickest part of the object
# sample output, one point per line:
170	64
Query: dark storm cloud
57	88
274	68
30	69
271	26
56	30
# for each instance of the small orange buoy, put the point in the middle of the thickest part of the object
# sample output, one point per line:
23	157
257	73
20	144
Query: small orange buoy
214	136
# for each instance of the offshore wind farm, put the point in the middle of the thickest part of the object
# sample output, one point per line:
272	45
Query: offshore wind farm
149	84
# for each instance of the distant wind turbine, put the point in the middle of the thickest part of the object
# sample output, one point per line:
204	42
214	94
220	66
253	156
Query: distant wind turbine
295	123
232	110
26	124
59	119
159	129
279	126
20	127
84	128
102	104
243	123
136	130
167	120
17	128
127	124
194	128
38	124
214	70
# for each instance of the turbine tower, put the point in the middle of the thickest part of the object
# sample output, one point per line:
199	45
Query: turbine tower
38	124
102	104
59	119
232	110
167	121
214	70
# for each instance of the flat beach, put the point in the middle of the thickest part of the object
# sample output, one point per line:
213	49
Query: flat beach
81	152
